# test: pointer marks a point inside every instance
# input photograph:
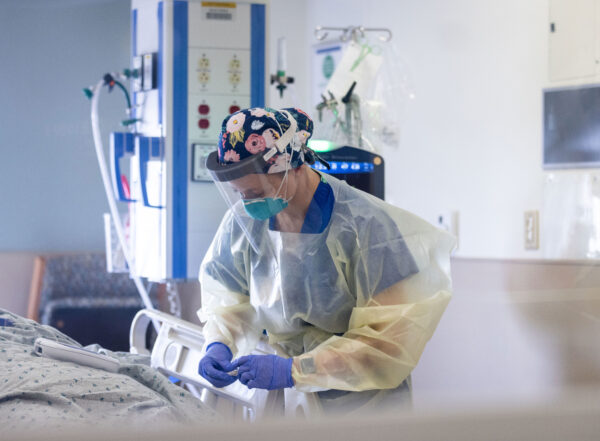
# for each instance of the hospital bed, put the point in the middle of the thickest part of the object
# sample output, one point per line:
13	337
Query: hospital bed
177	351
74	293
39	393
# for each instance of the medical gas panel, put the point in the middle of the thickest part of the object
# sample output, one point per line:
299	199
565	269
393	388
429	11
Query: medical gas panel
199	62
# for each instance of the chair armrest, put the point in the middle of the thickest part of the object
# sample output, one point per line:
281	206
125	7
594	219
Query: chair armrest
35	290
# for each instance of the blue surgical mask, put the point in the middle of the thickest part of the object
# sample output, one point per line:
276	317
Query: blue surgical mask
264	208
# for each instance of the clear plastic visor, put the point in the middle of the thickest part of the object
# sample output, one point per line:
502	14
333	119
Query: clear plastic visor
247	189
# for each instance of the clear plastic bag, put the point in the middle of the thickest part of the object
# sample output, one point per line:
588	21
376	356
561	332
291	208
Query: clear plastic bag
571	215
371	116
115	257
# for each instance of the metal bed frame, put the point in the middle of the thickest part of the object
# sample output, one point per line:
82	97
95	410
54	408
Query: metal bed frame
177	352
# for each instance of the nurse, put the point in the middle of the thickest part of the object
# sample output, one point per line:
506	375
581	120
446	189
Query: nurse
346	288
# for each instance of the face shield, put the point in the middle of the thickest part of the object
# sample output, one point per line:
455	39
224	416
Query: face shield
256	189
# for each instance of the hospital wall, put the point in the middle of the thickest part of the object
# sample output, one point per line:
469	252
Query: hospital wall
51	195
518	327
471	140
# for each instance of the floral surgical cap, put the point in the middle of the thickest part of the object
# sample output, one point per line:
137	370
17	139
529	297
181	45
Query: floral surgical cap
251	131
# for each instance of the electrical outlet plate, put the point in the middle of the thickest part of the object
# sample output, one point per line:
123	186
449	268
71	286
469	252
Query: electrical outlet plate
449	221
532	230
200	152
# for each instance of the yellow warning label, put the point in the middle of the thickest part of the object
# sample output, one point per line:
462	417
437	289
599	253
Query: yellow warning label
218	5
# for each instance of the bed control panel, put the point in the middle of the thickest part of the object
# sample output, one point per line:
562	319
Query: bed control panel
60	351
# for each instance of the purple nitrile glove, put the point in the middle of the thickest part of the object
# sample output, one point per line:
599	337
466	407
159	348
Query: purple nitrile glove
264	371
216	364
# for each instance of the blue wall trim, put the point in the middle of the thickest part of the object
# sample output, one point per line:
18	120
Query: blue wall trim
160	61
180	137
329	49
134	14
155	148
257	55
134	17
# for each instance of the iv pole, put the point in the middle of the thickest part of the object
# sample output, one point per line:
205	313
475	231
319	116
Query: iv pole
352	32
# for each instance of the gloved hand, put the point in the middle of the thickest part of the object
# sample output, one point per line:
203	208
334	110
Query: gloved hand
216	364
264	371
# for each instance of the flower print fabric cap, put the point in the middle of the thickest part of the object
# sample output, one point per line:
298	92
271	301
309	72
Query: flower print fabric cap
252	131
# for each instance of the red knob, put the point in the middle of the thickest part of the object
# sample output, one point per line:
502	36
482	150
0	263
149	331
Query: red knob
233	109
204	123
203	109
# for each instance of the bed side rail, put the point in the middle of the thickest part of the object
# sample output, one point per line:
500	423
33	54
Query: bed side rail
177	352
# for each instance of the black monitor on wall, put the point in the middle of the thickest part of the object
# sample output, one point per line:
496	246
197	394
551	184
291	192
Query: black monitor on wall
572	127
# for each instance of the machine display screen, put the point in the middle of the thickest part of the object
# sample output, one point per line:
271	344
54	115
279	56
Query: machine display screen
357	174
344	167
359	168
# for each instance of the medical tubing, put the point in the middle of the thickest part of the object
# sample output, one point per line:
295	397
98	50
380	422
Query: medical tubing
118	83
110	80
111	200
289	160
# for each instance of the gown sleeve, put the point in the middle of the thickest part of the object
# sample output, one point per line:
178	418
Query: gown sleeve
226	312
402	285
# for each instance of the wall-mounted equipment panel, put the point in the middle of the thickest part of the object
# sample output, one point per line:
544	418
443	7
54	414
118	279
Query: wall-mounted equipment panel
200	61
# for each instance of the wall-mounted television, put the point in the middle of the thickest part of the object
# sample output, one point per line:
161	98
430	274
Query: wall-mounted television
572	127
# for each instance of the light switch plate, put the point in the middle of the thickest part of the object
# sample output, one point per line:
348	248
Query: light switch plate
532	230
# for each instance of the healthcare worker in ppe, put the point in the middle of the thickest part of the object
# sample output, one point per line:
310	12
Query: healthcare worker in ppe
346	288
